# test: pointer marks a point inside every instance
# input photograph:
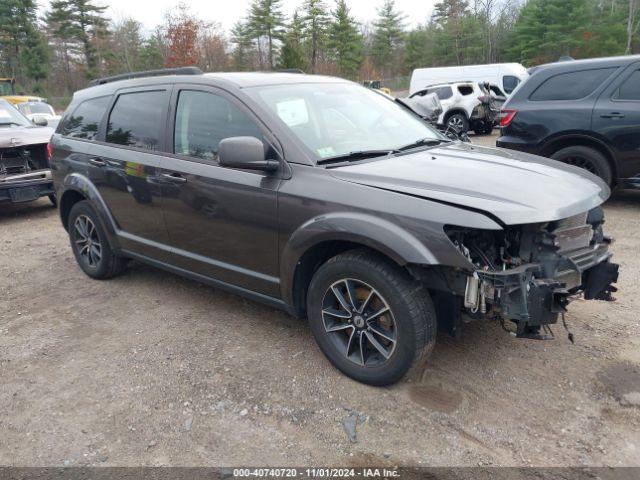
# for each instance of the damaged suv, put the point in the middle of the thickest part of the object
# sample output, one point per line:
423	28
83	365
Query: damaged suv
24	158
325	199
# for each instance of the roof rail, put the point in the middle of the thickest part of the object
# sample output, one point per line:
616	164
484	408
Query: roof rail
147	73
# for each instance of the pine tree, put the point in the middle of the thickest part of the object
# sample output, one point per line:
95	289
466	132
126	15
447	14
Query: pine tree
241	37
388	35
344	41
549	29
266	21
23	49
292	51
80	22
316	22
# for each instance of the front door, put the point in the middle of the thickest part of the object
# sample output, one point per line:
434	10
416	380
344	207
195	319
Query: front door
125	168
617	117
222	222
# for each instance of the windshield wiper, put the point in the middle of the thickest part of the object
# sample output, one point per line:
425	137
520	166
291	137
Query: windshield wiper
357	155
11	123
425	142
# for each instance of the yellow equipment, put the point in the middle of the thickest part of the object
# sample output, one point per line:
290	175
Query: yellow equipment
8	92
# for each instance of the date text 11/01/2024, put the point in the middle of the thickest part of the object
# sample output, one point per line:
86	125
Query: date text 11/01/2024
316	472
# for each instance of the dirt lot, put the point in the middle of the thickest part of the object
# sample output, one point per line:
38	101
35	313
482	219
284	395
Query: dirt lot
152	369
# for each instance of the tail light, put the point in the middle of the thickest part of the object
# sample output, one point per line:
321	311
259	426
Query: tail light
506	117
49	152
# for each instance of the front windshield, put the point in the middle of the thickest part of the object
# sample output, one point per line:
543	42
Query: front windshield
31	108
11	117
334	119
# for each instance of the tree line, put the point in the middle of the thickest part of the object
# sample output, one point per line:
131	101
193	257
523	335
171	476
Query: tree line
56	53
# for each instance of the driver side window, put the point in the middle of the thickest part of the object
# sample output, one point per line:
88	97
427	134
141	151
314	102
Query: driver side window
203	119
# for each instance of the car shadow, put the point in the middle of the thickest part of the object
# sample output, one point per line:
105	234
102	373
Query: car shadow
624	198
38	208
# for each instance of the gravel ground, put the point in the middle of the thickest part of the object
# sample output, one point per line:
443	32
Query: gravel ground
153	369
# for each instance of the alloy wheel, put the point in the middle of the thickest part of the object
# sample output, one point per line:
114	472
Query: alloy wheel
582	163
456	122
87	241
359	322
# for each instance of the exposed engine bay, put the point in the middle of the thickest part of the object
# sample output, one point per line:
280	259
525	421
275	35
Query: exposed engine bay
528	274
17	162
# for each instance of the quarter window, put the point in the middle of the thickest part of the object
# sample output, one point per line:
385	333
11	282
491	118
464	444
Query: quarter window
571	86
630	89
509	82
203	119
137	119
443	93
85	120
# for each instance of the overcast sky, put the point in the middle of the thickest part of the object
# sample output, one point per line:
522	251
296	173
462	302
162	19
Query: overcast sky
227	12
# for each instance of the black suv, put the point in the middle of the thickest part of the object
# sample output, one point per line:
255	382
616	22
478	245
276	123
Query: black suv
584	113
328	200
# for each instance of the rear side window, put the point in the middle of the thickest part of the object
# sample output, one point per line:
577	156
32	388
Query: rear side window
203	119
630	89
571	86
85	120
465	90
509	83
443	93
137	119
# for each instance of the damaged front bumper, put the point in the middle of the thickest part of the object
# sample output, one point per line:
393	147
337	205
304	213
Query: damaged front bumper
26	187
531	297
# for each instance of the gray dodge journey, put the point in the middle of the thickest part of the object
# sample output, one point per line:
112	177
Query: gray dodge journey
330	201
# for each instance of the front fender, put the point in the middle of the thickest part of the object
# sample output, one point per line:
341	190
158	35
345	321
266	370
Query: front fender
76	182
373	232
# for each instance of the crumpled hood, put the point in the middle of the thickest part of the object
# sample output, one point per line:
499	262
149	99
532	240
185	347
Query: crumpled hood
513	186
19	136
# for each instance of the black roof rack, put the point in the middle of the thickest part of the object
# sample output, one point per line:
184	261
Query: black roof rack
147	73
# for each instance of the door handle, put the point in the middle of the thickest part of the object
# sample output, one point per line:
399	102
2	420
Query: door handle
612	115
174	177
97	162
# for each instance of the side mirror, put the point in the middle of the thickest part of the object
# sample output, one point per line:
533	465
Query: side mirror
40	121
245	153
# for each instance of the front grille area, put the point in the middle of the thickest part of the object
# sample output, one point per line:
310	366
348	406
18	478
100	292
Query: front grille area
572	233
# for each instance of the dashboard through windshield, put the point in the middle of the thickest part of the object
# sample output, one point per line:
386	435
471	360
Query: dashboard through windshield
335	119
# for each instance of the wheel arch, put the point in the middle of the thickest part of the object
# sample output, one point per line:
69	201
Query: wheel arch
76	188
453	111
557	143
321	239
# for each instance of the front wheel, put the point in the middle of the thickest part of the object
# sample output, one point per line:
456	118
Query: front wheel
370	318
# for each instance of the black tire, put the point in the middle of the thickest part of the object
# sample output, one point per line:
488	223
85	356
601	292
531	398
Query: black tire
53	199
411	313
588	159
105	265
459	122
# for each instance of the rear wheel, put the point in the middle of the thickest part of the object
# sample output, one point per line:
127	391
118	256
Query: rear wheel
458	122
370	318
588	159
90	244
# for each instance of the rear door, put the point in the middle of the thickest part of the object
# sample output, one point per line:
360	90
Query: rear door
222	222
617	117
125	167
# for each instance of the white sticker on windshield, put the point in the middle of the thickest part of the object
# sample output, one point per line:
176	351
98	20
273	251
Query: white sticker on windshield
326	152
4	114
293	112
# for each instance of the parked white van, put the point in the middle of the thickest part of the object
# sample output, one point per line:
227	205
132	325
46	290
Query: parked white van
506	76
